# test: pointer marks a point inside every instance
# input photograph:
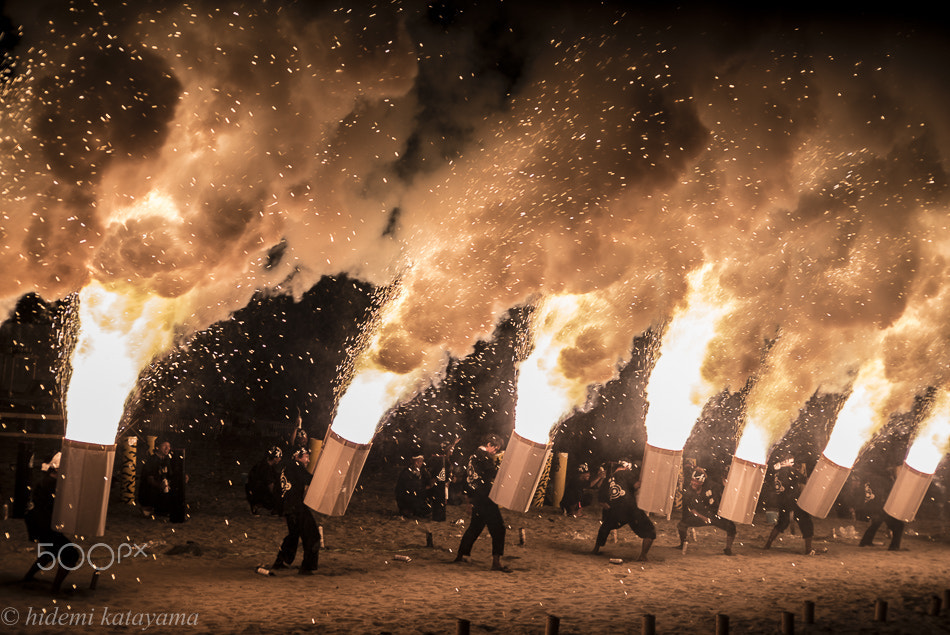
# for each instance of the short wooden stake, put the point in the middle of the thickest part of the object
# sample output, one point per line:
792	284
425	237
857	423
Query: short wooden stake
552	625
648	625
429	542
808	612
462	627
788	623
320	532
946	598
522	539
880	611
722	624
935	605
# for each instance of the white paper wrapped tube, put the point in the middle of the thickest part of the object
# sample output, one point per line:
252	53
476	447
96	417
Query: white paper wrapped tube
741	494
907	494
82	493
519	473
336	475
823	486
658	479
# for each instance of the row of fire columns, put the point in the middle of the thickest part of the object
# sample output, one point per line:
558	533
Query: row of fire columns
787	620
86	474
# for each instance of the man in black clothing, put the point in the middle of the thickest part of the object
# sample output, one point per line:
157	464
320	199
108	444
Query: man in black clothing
788	482
301	525
155	490
55	548
876	489
263	483
621	509
481	471
700	508
411	487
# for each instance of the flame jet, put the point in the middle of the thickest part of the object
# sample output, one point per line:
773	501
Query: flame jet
677	391
545	394
923	456
118	332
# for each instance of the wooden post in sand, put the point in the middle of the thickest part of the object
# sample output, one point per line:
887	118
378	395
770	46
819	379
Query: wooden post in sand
935	605
808	612
462	627
553	625
722	624
946	597
788	623
880	611
648	625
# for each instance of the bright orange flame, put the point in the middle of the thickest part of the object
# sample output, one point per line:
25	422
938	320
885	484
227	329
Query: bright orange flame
544	394
118	334
373	391
677	391
933	439
860	415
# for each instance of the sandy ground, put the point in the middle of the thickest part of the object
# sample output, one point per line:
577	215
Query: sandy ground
202	572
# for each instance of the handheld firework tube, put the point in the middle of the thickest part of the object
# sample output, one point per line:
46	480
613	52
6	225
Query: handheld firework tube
907	494
519	473
658	478
823	486
336	474
82	493
741	494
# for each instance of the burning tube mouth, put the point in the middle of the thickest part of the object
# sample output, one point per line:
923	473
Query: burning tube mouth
336	474
519	473
823	486
658	479
741	493
908	493
82	493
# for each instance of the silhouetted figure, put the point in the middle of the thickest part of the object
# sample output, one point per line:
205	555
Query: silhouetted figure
263	483
788	482
155	485
481	471
876	489
411	489
55	548
301	525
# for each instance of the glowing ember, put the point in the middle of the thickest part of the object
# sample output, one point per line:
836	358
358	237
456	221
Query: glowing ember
677	390
118	335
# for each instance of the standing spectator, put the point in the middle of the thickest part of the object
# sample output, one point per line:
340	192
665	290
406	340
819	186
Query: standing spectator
301	525
481	471
263	483
57	548
700	507
411	486
439	468
155	491
573	498
788	482
621	509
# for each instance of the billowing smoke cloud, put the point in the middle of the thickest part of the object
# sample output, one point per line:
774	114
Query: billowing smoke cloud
486	157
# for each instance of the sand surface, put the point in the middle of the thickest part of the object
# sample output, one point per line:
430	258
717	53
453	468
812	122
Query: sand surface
202	572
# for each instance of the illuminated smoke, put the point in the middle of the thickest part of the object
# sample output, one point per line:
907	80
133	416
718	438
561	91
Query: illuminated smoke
490	157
